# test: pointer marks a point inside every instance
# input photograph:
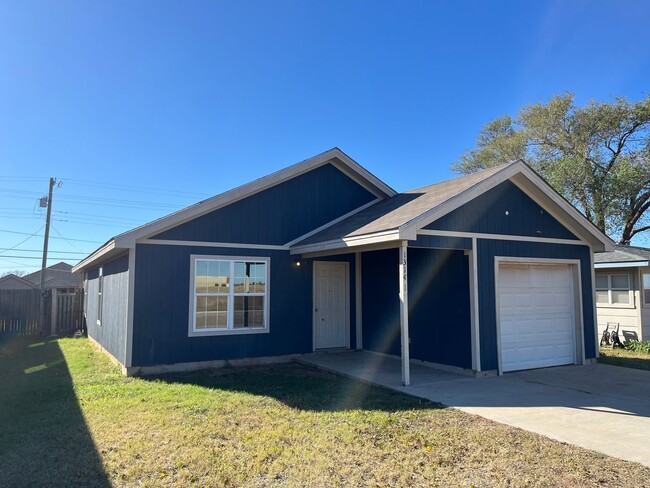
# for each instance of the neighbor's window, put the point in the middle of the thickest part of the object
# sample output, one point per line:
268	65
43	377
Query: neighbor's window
229	294
100	295
646	288
613	289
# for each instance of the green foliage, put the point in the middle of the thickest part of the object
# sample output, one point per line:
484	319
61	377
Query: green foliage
639	346
596	156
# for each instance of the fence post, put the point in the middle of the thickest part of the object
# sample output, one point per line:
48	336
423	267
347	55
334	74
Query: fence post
55	306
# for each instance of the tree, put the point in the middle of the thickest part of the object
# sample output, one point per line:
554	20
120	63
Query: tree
596	156
16	272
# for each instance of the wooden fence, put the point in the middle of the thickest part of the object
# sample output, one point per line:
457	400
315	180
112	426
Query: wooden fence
20	312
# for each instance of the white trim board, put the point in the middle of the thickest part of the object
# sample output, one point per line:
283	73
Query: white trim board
130	310
231	245
628	264
499	237
347	242
335	221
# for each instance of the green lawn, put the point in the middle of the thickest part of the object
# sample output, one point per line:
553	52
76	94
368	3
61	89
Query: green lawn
69	419
622	357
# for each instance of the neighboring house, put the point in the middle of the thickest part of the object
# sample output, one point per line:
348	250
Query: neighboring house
489	272
623	291
14	282
58	276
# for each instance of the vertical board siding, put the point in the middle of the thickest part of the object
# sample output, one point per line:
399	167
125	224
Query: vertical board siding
487	214
439	306
439	313
380	301
442	242
488	250
279	214
111	334
162	306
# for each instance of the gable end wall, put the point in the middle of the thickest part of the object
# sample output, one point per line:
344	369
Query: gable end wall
486	214
278	214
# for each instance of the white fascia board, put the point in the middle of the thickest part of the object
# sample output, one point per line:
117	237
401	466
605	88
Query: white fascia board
348	242
102	251
583	223
579	224
334	156
628	264
424	219
332	222
500	237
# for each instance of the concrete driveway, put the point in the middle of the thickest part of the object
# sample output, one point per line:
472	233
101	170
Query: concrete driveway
599	407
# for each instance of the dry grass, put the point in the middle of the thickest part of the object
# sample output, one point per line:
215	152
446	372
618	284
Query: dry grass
624	358
285	425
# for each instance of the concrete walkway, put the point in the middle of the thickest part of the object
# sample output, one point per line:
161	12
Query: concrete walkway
599	407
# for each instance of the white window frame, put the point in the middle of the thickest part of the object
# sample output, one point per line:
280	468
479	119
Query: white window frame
194	332
100	295
630	291
642	288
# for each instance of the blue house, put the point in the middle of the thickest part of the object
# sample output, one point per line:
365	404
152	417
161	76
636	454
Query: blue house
487	273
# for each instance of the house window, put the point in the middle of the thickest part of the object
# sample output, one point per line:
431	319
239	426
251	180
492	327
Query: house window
613	289
100	295
229	295
646	288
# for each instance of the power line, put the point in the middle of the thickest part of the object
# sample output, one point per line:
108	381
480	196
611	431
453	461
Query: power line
23	241
68	240
82	198
25	234
49	258
39	250
139	189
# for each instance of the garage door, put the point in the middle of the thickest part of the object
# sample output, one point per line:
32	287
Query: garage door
536	316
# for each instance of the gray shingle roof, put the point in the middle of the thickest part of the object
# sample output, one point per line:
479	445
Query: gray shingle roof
623	254
56	276
396	211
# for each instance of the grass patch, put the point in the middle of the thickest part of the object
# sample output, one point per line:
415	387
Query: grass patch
624	358
71	419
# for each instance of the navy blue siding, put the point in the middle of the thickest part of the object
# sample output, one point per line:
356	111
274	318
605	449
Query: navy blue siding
487	250
380	301
279	214
439	305
442	242
111	334
487	214
162	305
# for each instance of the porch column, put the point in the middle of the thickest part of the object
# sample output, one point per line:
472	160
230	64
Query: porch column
404	313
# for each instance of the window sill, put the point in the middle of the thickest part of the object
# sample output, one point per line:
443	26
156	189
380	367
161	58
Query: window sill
226	332
615	305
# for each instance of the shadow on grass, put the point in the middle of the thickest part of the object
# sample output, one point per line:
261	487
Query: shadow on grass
44	440
625	361
302	387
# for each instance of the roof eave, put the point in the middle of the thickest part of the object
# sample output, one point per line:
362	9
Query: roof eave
335	156
622	264
95	256
587	231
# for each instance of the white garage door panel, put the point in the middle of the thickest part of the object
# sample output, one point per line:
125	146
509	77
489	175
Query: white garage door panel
536	314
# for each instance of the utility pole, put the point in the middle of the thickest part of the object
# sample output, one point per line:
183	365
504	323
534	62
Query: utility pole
44	263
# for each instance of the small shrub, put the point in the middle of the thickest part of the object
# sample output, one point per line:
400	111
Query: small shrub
639	346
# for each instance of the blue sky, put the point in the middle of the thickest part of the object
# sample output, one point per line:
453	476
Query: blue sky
197	97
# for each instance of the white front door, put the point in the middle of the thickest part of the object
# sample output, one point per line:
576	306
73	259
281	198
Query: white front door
330	304
536	316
